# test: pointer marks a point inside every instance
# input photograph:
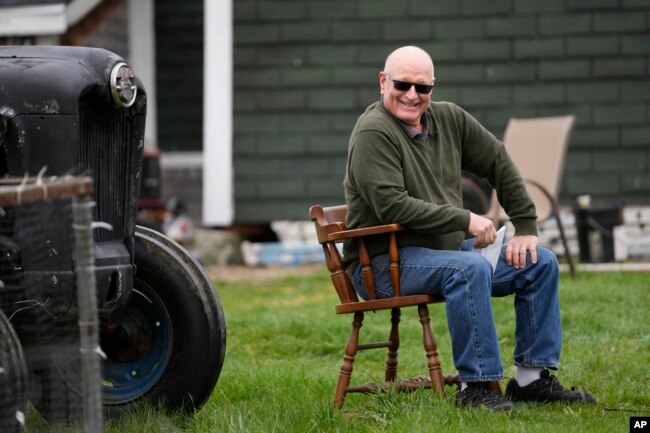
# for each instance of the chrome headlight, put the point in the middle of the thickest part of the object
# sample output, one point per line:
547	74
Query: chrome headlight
123	86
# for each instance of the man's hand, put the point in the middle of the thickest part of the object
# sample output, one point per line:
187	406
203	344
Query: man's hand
482	229
517	249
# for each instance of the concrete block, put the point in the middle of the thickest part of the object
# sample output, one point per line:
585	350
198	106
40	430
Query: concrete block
218	247
294	231
636	216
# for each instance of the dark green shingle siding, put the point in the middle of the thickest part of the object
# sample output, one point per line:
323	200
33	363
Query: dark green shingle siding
303	75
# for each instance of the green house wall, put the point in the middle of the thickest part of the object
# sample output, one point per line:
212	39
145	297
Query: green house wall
304	71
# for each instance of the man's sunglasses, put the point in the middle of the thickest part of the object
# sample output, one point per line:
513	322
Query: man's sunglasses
405	86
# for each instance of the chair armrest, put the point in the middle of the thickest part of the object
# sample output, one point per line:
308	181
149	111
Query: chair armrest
366	231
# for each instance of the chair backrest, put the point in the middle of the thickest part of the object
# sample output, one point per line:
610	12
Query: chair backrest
538	148
329	220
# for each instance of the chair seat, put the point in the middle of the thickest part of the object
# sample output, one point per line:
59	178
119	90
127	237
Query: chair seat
387	303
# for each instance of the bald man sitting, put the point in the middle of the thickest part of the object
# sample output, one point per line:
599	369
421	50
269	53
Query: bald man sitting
405	157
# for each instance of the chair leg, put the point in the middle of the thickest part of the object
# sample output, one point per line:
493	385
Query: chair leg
391	359
345	374
431	349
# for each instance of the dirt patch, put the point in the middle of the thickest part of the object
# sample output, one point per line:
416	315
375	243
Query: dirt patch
259	274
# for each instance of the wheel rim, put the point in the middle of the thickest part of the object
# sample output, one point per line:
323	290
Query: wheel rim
137	343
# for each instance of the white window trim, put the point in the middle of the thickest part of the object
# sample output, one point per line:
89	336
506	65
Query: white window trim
218	206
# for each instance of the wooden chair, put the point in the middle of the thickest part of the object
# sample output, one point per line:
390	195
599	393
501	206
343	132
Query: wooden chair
538	148
331	229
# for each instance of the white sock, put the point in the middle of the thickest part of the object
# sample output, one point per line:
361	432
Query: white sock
463	385
527	375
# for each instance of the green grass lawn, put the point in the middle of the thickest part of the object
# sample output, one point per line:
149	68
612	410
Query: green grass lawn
285	345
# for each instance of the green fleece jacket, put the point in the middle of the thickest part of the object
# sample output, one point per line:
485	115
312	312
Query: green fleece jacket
393	178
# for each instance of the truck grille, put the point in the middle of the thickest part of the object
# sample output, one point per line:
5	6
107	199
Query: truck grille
108	153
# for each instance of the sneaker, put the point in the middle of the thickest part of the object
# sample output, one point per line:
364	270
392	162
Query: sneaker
478	394
547	389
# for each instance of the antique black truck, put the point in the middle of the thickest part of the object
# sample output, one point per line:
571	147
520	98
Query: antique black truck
81	111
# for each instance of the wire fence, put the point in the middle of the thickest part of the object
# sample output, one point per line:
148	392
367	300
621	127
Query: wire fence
49	348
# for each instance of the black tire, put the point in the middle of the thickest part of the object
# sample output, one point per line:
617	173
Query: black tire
13	378
176	363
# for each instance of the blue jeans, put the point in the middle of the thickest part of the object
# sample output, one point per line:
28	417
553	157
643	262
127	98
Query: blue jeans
466	281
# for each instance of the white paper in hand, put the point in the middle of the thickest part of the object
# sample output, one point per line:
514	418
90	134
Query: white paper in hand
492	251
